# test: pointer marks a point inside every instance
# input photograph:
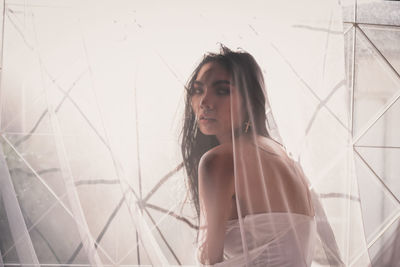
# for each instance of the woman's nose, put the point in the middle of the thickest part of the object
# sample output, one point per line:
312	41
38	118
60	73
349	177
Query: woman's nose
206	102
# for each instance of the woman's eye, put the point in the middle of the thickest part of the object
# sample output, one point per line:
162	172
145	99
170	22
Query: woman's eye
223	91
197	91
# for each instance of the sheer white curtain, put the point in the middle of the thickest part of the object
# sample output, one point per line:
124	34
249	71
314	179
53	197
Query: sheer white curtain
92	99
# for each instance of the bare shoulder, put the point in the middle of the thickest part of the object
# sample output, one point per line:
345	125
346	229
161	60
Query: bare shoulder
218	161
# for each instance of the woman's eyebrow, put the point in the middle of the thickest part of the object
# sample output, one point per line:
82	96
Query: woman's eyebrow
218	82
221	82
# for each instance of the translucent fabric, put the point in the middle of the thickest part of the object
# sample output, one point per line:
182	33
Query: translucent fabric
93	102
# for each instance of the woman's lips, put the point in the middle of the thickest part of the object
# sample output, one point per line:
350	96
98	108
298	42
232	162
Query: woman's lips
206	119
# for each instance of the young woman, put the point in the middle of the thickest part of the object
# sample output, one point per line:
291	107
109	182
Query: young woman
252	200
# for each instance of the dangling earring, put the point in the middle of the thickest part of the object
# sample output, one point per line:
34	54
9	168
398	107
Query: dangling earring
247	126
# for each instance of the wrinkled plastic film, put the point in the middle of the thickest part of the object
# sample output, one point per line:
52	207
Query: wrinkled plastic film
91	122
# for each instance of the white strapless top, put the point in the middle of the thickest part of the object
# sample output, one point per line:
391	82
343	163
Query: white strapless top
273	239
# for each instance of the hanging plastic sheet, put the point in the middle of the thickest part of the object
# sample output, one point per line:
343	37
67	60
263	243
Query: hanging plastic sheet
93	100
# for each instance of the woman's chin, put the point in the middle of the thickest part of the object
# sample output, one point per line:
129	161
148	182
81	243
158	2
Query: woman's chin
207	132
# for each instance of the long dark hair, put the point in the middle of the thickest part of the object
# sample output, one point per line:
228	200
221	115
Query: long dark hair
247	74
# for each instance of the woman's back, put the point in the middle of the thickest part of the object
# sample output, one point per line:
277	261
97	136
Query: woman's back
278	224
267	180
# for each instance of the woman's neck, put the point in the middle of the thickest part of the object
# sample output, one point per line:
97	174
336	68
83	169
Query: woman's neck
227	138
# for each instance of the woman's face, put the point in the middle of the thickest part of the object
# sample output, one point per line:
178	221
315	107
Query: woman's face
215	100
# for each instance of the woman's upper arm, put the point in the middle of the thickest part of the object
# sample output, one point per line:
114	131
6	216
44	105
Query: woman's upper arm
216	188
